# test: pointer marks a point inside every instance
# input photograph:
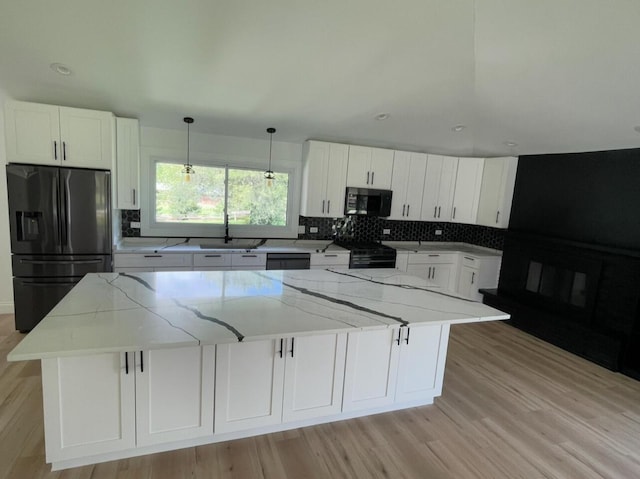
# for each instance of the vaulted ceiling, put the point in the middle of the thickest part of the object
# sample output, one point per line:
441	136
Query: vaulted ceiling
549	75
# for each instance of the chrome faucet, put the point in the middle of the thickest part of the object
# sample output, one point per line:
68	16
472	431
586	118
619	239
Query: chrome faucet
227	238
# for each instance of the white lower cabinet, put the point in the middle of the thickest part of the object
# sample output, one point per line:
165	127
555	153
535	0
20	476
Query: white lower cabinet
265	383
174	394
399	365
477	273
104	403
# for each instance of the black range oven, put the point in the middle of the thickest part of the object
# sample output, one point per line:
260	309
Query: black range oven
369	254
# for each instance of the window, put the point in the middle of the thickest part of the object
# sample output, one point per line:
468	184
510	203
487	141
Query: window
197	207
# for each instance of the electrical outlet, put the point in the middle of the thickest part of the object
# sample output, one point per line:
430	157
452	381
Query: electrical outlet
386	231
301	229
438	232
313	229
135	224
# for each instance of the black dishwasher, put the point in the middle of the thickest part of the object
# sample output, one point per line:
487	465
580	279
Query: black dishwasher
288	260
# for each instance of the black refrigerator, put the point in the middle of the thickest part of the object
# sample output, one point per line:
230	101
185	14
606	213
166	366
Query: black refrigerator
60	221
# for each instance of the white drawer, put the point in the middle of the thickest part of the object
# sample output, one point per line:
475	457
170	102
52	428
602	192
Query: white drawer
239	260
145	260
470	261
329	259
433	258
212	260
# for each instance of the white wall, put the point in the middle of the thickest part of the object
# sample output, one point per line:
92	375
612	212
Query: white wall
6	282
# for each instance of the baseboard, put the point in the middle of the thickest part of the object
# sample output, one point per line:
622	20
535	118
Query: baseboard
6	307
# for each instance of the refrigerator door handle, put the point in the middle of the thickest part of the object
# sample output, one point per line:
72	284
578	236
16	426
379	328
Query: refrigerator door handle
65	216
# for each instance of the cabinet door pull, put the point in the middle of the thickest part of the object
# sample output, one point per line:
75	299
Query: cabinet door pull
399	335
497	216
249	256
367	177
323	206
212	255
126	363
64	151
153	256
439	209
281	352
133	191
470	259
328	206
434	255
141	362
433	273
429	273
55	150
372	173
406	340
292	340
473	277
454	212
435	211
330	255
408	206
403	208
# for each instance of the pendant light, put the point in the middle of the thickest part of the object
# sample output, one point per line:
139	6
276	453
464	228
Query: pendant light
268	175
188	170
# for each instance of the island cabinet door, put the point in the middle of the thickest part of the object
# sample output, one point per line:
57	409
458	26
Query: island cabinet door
423	351
174	394
89	405
371	369
249	385
314	375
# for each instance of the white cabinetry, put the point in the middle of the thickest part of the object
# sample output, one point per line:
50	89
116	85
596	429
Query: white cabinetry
439	269
59	136
439	187
324	177
211	262
264	383
329	260
369	167
476	273
124	262
127	181
248	261
407	184
467	190
496	192
103	403
395	365
174	394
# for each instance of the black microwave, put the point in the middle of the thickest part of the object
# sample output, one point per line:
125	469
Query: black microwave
364	201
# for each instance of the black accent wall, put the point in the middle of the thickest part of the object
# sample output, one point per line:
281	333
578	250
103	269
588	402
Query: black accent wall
592	198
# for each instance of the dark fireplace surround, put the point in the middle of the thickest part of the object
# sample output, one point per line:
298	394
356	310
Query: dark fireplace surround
583	298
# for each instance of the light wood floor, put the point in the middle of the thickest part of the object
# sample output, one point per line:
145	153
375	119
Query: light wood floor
512	407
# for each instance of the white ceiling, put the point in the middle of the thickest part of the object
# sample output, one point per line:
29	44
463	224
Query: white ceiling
551	75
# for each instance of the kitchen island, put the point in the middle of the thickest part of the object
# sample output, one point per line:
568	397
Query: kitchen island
139	363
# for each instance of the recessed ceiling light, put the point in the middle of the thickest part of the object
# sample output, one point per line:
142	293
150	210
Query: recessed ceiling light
458	128
61	69
637	128
510	144
382	116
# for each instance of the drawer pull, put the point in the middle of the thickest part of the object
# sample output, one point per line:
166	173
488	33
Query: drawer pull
434	255
330	255
153	256
213	256
249	256
470	259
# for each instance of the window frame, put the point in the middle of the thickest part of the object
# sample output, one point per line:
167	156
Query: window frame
150	227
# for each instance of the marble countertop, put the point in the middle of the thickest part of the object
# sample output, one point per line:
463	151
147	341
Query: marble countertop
108	312
177	245
441	247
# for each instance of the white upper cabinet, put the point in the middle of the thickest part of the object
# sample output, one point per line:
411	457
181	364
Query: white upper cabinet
127	183
324	179
467	190
496	192
439	187
407	184
58	136
370	167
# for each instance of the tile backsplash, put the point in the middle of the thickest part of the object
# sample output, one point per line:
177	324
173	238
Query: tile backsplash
361	228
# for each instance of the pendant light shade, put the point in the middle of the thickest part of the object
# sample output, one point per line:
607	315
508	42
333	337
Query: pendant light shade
268	175
188	170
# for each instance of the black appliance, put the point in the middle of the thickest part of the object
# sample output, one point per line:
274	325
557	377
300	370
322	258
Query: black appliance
60	222
369	254
288	260
365	201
